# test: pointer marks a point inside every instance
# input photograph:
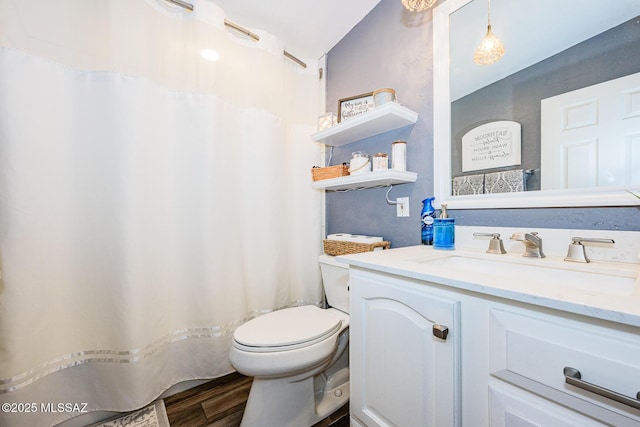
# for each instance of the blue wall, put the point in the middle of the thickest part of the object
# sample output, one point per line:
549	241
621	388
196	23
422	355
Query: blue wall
393	47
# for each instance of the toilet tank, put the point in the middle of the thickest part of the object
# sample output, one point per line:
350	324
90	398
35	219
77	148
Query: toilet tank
335	279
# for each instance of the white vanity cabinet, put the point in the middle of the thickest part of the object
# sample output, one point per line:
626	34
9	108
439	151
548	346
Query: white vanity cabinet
502	364
401	374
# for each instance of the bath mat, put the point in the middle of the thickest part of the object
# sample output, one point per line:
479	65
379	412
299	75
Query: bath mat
153	415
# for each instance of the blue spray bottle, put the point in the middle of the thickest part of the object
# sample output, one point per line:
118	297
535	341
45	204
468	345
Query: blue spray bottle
428	215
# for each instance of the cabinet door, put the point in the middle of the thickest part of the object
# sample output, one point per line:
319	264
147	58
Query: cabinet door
401	374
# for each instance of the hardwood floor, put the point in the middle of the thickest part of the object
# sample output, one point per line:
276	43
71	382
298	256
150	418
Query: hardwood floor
221	402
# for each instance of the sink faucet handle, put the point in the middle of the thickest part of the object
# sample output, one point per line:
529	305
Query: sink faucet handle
495	244
579	240
493	235
577	251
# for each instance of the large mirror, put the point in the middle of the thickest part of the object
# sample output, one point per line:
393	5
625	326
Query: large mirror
535	35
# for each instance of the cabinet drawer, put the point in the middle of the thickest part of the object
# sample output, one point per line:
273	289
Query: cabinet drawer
510	406
532	350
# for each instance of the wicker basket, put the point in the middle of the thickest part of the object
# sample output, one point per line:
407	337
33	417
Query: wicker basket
329	172
340	247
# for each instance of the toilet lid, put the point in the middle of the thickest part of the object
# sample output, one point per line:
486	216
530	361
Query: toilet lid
288	327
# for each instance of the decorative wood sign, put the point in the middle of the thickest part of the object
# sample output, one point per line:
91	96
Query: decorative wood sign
355	106
492	145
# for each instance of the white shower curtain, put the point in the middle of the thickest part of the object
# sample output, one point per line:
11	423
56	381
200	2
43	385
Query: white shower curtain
150	201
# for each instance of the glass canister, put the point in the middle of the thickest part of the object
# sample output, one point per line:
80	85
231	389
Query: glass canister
360	163
380	162
444	234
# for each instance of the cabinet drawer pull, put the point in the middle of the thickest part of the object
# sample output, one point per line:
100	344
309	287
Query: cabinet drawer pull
572	376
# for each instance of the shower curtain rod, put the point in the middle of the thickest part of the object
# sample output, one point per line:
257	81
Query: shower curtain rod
294	59
182	4
237	27
241	30
257	38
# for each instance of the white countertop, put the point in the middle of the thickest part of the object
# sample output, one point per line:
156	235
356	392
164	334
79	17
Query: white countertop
620	305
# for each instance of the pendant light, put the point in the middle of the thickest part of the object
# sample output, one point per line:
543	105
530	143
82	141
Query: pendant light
491	49
418	5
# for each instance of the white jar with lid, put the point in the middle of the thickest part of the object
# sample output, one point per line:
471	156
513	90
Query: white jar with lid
360	163
399	155
382	96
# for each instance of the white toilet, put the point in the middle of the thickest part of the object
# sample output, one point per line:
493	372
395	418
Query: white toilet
299	357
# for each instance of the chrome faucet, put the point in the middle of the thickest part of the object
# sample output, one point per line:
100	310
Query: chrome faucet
495	244
532	244
577	251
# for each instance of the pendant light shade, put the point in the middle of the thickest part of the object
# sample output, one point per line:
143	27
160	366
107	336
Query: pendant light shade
491	49
418	5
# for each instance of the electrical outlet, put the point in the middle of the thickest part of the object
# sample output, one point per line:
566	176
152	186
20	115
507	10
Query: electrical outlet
402	206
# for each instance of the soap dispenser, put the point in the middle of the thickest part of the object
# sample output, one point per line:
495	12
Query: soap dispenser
428	215
444	233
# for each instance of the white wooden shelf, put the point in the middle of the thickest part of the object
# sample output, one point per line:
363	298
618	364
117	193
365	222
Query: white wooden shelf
387	117
367	180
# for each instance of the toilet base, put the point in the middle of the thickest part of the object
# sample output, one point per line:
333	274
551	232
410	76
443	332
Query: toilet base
284	402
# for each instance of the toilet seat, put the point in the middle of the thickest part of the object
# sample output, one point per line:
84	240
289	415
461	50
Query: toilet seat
287	329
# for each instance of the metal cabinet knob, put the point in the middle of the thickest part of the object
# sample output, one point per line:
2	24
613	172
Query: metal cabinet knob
440	331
